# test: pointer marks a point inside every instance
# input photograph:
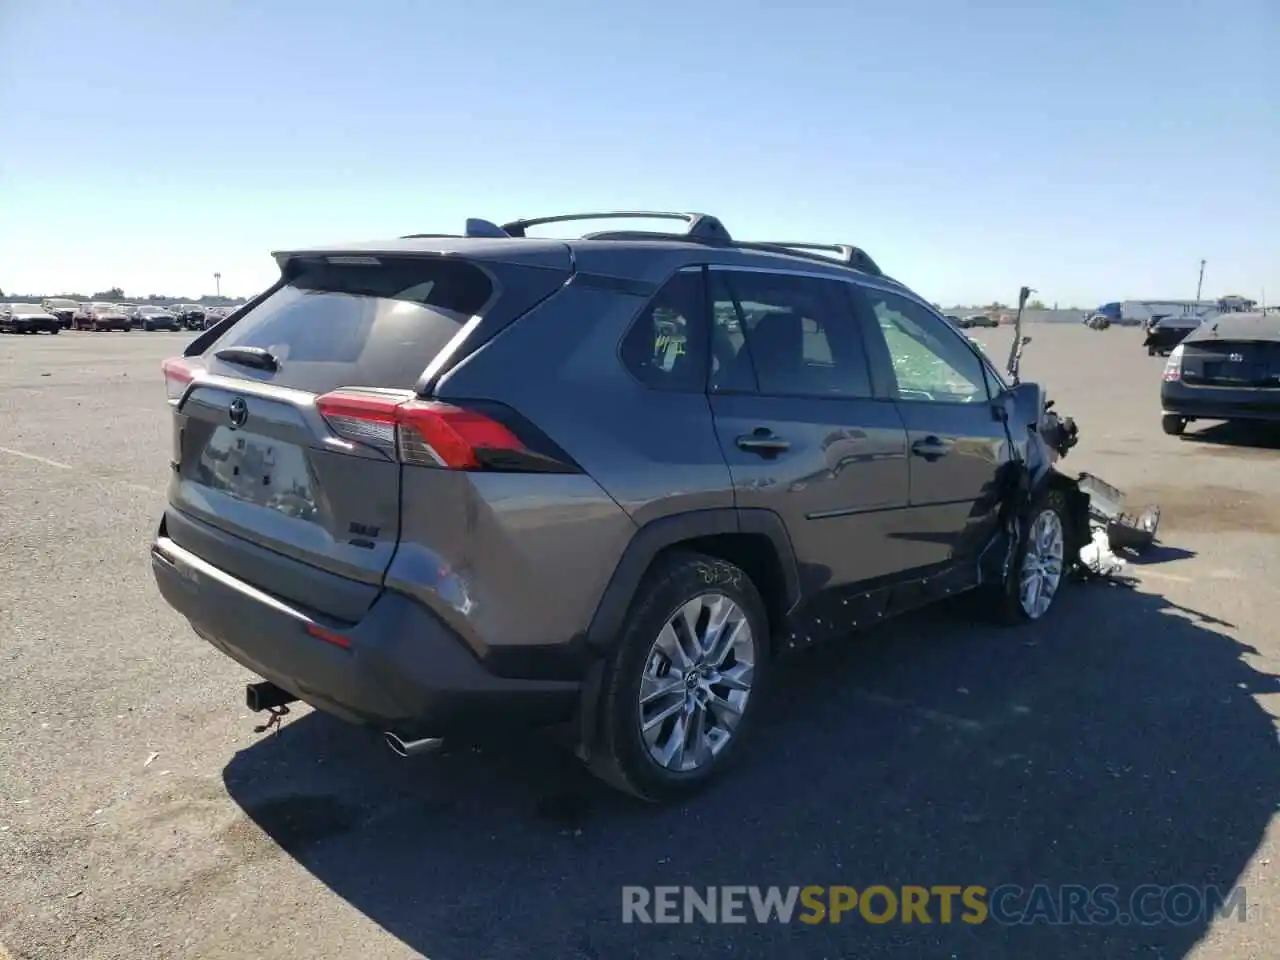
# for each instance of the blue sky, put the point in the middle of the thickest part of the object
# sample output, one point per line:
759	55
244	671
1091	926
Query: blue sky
1094	150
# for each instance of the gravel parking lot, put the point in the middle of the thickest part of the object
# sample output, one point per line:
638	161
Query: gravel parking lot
1129	740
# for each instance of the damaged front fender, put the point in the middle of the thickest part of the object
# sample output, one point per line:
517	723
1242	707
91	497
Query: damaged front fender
1099	524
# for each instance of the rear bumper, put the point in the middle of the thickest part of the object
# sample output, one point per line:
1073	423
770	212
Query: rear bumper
399	669
1220	403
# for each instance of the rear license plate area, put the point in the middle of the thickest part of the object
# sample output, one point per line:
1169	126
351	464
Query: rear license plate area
261	470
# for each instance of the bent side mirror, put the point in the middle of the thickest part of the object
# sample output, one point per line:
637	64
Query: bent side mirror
1023	404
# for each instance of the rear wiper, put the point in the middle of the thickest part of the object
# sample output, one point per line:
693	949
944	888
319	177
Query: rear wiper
257	357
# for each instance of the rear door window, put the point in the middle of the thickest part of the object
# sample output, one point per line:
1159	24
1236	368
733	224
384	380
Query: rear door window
785	335
360	321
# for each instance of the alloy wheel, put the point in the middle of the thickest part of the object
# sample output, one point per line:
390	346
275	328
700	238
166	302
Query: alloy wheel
696	682
1041	564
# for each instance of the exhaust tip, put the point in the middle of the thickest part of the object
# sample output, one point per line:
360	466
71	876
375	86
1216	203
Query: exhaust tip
411	748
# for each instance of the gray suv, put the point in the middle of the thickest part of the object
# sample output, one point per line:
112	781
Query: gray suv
445	484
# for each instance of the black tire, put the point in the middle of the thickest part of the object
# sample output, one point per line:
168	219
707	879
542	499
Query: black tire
1172	424
1008	606
55	331
1151	351
619	755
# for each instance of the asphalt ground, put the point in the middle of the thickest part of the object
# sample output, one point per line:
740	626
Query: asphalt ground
1128	740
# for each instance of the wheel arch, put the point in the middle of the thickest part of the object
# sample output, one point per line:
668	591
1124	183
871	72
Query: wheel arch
1078	530
754	539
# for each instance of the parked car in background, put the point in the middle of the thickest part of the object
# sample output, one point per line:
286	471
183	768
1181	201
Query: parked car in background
190	315
27	318
215	314
155	318
61	308
1165	333
980	320
1228	368
1099	321
100	316
129	310
381	506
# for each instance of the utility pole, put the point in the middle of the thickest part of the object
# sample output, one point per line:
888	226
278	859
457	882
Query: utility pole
217	281
1200	283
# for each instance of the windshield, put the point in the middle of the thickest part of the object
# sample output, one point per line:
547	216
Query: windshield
62	304
105	308
151	310
25	308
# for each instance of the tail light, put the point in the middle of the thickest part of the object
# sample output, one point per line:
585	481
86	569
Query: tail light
1173	365
178	373
429	433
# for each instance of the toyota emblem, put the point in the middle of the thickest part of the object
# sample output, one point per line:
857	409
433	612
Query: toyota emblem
1236	358
239	412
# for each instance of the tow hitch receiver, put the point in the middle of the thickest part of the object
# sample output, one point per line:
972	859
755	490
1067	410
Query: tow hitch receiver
266	696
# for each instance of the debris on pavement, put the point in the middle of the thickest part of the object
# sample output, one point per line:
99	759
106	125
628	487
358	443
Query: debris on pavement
1097	558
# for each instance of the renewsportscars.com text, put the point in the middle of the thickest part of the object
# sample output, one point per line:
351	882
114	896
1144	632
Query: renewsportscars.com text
1007	905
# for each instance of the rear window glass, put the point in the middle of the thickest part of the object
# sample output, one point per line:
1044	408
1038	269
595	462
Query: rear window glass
372	324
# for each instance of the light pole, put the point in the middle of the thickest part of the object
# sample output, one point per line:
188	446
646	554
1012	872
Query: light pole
1200	283
217	283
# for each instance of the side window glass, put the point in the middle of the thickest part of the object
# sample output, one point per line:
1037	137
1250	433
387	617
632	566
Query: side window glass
665	346
797	334
931	361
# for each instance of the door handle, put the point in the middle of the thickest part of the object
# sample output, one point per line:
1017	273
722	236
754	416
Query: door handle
931	448
763	441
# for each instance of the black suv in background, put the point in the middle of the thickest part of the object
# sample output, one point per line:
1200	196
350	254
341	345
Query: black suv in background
1165	333
444	483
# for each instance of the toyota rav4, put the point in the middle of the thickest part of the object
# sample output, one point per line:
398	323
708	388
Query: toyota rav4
447	483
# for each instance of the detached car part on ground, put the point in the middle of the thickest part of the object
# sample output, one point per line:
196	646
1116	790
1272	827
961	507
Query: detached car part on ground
446	484
1227	369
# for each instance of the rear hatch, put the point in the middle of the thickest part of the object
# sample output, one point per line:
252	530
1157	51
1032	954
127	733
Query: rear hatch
288	443
1231	363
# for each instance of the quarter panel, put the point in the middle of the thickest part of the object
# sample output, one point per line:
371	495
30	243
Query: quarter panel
508	559
654	452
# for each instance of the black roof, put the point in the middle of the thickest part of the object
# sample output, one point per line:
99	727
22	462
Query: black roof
1238	326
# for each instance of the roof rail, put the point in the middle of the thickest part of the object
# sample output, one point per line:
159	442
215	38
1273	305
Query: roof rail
845	253
475	228
701	226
